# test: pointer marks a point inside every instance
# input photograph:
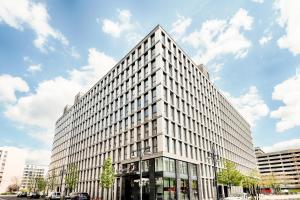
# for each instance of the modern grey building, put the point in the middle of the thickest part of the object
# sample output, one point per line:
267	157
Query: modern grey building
155	96
281	166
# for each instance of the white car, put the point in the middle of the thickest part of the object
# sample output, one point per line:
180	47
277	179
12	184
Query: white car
53	196
242	196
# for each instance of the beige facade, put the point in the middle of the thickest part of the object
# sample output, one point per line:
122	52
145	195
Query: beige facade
30	172
284	166
3	158
155	96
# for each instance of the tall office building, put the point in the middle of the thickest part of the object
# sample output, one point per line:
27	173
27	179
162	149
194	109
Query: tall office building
281	166
156	97
32	171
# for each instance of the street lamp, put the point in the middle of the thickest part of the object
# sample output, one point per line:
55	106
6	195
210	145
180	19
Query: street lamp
215	158
62	172
141	152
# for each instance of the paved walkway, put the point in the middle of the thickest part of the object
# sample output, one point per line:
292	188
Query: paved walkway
280	197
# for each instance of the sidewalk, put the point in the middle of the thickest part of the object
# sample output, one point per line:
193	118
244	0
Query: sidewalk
280	197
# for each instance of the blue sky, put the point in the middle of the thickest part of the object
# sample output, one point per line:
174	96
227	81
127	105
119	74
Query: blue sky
50	50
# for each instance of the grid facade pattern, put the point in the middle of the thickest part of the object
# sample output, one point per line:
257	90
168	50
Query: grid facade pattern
155	96
283	165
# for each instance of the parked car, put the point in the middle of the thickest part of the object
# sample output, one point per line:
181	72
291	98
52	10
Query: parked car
53	196
22	194
33	195
242	196
79	196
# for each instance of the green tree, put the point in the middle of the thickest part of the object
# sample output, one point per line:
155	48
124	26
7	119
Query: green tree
72	177
41	184
250	182
31	184
107	177
51	180
230	176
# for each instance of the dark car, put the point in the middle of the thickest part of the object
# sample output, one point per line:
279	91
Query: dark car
22	194
53	196
79	196
33	195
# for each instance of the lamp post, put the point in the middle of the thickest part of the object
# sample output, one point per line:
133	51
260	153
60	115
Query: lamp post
215	158
141	152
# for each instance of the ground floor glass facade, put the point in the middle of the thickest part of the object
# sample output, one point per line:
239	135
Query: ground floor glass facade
162	179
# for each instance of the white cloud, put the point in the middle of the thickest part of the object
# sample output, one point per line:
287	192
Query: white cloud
265	39
16	159
284	145
180	25
39	110
218	38
116	28
22	13
288	93
250	105
34	68
9	85
124	26
289	16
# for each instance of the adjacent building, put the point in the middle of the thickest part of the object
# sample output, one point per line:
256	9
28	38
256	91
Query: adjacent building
3	157
156	97
32	171
281	166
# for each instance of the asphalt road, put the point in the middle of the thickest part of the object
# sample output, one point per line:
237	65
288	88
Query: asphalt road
11	197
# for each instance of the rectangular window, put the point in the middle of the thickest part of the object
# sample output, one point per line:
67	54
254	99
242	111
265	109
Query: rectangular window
153	79
139	117
153	95
167	145
154	110
154	144
154	127
146	113
139	103
138	133
146	130
146	101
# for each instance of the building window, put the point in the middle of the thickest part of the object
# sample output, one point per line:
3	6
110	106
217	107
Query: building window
153	65
154	110
146	130
139	117
153	78
139	103
154	144
167	145
184	189
146	113
154	127
138	133
131	136
153	95
146	99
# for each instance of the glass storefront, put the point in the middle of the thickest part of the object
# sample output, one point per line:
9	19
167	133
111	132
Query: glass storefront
159	180
184	189
169	188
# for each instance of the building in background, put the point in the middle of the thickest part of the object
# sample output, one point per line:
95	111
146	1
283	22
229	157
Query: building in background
3	158
282	166
32	171
156	97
